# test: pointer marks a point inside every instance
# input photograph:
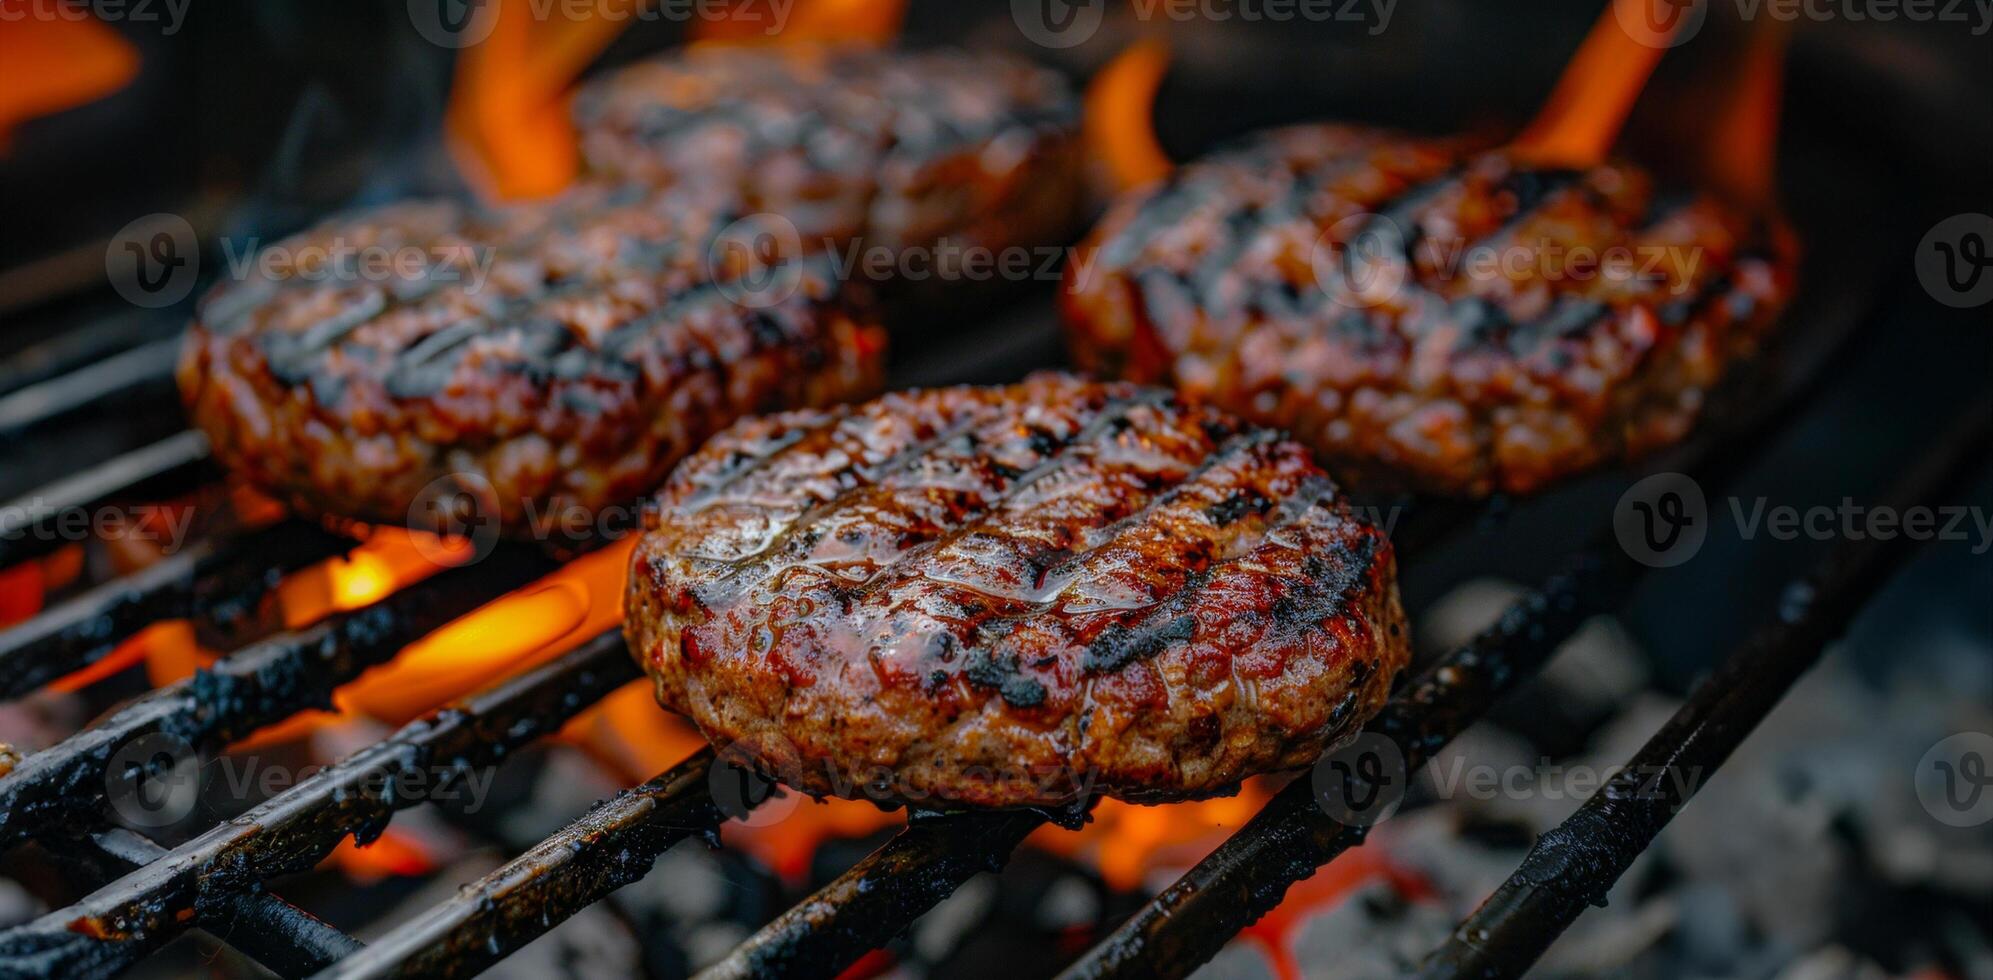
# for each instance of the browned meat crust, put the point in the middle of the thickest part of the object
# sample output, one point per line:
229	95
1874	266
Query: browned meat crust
1511	355
550	360
1007	596
895	148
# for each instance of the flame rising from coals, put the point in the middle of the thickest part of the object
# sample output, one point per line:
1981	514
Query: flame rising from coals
507	123
49	64
1119	118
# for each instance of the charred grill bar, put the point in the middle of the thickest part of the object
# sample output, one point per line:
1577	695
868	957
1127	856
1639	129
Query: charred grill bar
295	830
613	845
1574	865
215	581
260	684
282	937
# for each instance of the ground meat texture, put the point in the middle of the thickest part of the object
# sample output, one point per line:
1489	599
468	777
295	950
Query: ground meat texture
1426	313
895	148
1010	595
546	364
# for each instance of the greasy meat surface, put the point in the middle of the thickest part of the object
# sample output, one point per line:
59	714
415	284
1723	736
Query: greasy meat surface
549	360
1424	313
1008	596
897	148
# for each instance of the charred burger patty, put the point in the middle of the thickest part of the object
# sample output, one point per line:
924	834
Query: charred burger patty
1423	312
1014	595
533	363
893	148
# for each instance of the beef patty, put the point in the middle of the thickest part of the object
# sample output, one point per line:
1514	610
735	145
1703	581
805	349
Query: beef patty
1012	596
892	148
1423	312
534	366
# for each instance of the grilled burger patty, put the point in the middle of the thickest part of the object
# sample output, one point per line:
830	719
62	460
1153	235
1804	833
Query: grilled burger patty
539	362
1423	312
1014	596
894	148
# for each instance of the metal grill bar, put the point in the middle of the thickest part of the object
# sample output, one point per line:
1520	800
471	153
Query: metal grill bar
218	581
37	404
260	684
1575	864
293	831
170	466
489	918
79	346
869	904
285	939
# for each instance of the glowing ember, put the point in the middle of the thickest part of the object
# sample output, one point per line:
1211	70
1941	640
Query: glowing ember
20	592
1578	124
785	846
48	64
1274	933
396	853
1126	842
510	634
389	559
1118	124
628	734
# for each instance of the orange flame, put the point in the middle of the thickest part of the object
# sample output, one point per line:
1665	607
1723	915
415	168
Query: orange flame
508	114
1744	142
1578	124
509	634
508	122
827	21
48	64
388	559
1118	123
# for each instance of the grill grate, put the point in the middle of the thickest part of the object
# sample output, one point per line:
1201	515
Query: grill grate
151	895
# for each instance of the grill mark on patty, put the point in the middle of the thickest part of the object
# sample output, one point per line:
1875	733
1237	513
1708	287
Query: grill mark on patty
729	585
1112	415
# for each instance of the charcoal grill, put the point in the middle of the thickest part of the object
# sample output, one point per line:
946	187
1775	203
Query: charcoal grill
218	881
